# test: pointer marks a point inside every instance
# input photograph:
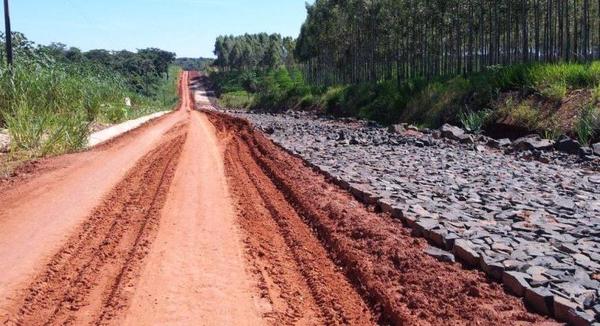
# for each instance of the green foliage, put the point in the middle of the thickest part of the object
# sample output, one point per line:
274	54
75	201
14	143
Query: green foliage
194	64
474	121
522	114
588	125
51	95
236	100
555	92
47	108
596	94
253	51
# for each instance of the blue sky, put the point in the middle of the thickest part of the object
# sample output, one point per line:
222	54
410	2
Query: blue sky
187	27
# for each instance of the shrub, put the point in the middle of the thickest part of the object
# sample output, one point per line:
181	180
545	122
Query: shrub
307	102
332	100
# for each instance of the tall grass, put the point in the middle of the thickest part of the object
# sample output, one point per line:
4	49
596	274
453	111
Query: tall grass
588	124
47	107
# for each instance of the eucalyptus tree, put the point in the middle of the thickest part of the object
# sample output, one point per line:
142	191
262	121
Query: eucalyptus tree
370	40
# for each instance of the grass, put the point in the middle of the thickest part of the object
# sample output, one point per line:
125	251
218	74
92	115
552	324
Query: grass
474	121
596	94
588	124
48	107
457	100
236	100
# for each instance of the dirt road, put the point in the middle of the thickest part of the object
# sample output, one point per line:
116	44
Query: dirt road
198	219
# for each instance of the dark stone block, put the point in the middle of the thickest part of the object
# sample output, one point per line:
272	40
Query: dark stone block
440	255
515	282
567	145
541	300
465	253
579	318
437	237
492	268
563	308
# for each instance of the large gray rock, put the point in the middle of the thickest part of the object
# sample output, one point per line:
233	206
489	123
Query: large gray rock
568	145
533	142
466	253
397	129
499	143
541	300
596	148
441	255
452	132
515	282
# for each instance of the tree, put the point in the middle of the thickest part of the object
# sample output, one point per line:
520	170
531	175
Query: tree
352	41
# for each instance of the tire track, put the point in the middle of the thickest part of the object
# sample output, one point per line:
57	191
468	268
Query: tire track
86	281
383	262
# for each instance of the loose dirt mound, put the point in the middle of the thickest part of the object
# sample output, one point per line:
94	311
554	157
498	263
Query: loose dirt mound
379	259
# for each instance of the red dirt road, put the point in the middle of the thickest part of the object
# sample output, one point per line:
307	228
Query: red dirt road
196	218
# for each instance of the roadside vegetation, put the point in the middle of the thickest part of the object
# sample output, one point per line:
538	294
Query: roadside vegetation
53	96
531	66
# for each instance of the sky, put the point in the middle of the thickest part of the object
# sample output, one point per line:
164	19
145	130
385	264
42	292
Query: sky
186	27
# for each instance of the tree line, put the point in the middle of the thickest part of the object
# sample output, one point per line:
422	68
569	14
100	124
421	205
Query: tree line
351	41
142	69
196	64
253	51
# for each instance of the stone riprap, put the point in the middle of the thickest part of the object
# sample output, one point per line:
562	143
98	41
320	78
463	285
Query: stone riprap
533	226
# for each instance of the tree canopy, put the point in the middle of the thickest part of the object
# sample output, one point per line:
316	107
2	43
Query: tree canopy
360	40
253	51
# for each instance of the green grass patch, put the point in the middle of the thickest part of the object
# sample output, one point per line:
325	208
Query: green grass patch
587	126
48	107
236	100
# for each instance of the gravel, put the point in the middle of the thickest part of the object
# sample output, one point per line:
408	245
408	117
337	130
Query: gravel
530	218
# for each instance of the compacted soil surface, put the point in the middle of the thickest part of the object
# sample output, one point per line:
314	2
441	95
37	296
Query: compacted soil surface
198	219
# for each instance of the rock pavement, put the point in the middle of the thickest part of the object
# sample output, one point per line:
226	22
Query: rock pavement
533	226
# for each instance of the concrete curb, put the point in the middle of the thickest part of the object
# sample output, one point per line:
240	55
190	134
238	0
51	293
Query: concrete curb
107	134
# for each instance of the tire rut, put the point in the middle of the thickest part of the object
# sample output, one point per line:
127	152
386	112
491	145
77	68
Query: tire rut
87	281
285	243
